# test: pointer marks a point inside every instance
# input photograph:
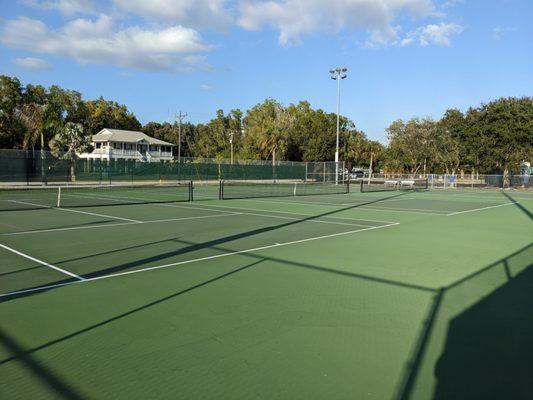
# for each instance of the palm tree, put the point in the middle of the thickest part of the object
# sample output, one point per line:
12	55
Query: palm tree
32	117
68	143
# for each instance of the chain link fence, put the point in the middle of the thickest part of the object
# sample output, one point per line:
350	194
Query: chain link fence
453	181
33	167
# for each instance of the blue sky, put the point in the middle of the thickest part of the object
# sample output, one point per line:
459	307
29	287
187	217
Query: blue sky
405	58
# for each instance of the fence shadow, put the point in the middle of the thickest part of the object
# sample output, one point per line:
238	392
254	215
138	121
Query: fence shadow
520	206
61	389
488	348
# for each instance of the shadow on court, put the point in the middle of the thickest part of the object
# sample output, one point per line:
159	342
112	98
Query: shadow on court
18	353
518	204
257	260
498	323
200	246
216	242
56	384
488	350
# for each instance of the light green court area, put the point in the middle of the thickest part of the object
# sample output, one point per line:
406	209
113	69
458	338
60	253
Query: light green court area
393	295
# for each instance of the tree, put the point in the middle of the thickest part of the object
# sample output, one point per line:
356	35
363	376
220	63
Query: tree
213	138
508	123
410	145
32	116
11	127
109	114
70	141
267	126
447	140
62	106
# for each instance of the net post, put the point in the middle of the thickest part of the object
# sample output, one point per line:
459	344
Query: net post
58	204
191	191
220	186
362	184
348	186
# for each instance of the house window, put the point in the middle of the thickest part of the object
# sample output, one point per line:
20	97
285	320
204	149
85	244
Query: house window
116	146
98	145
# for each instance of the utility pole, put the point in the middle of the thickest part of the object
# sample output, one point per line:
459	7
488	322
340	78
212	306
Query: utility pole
179	118
337	74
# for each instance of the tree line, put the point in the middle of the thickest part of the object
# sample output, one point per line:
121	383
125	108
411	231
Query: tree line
491	138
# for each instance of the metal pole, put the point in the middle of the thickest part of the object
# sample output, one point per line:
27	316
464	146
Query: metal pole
370	169
180	116
338	124
231	145
337	74
179	140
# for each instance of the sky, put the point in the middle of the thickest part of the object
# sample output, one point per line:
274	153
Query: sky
405	58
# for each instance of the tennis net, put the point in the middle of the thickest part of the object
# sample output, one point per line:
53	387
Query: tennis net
32	197
247	189
387	185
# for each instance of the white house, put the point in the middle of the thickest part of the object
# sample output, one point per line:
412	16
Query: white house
128	145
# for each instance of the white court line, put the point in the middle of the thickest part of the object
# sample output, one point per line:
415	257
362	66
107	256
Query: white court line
42	262
295	213
99	215
303	219
409	210
120	198
72	228
279	216
355	206
232	253
482	208
76	211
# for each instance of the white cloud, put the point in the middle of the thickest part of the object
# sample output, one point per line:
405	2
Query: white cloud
194	13
205	87
432	34
499	32
95	41
297	18
451	3
65	7
31	63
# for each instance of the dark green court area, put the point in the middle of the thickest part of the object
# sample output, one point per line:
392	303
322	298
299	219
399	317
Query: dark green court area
136	294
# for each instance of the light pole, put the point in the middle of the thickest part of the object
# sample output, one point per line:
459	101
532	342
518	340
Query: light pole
231	145
337	74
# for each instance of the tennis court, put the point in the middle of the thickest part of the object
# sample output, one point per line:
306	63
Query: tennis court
179	291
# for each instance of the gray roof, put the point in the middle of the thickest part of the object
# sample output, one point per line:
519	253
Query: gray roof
119	135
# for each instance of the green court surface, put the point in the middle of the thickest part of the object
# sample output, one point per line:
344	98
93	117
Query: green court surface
386	295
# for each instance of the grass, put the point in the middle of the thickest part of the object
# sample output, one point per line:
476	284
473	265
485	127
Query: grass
367	296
